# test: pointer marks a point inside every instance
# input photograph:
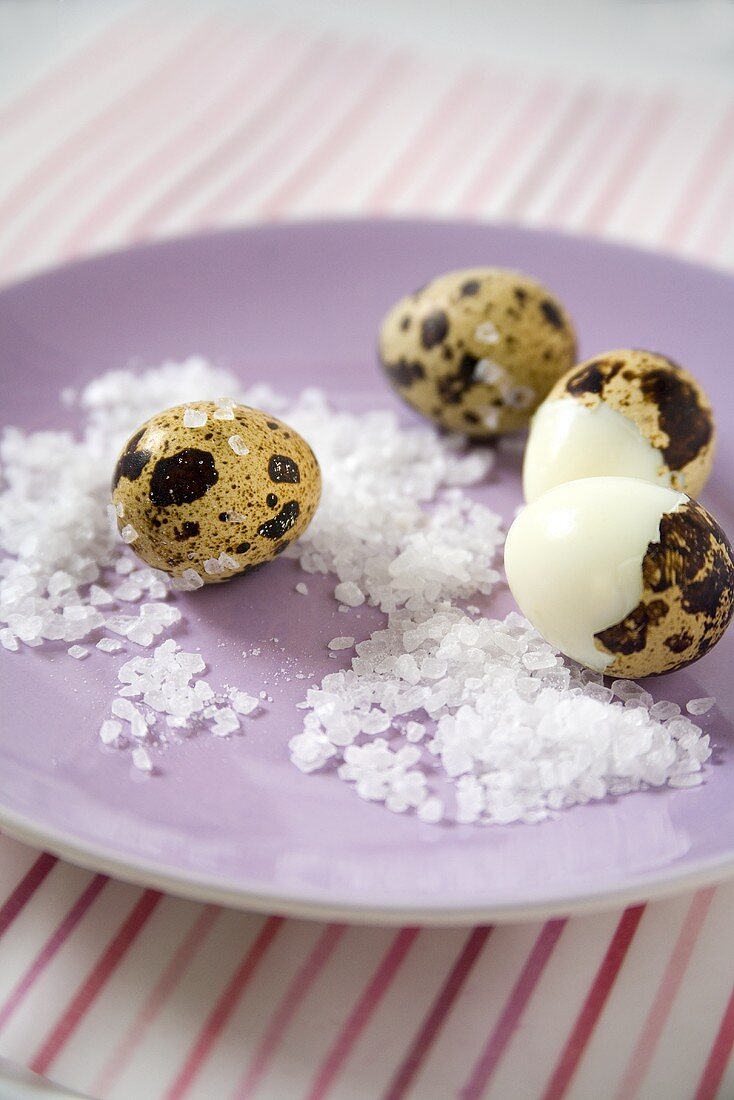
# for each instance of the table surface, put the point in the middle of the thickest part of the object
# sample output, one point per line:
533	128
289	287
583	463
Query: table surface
127	121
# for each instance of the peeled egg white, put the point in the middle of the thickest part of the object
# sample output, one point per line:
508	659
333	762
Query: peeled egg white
574	556
569	440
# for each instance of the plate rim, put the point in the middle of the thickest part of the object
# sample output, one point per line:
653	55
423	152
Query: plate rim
145	873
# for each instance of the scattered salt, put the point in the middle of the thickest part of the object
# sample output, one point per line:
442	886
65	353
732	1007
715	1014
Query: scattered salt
341	643
302	589
486	333
78	652
109	645
349	593
141	759
701	706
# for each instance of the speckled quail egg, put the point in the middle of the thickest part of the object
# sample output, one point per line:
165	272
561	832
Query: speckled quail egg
477	350
212	489
628	578
625	413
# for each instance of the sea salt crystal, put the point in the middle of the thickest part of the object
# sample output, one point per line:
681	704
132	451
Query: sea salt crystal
244	703
128	534
225	722
189	581
663	710
238	445
78	652
8	640
701	706
141	759
341	643
488	371
486	333
213	566
302	589
349	593
415	731
224	409
431	811
109	731
99	597
194	418
109	645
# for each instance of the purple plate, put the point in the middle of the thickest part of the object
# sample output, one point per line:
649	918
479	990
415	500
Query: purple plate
233	821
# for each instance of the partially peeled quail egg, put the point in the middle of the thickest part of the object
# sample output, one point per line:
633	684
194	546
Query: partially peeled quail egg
626	577
625	413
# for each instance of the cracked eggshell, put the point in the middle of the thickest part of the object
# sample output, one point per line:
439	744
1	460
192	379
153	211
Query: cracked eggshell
629	578
628	413
237	482
477	350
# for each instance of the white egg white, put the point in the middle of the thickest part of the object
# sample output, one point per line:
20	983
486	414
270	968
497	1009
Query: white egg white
573	558
568	440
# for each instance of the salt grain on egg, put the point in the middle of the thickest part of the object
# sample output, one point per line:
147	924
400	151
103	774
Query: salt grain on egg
238	445
194	418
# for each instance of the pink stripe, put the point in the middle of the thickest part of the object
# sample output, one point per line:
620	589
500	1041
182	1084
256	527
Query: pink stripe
223	1009
583	105
52	946
361	1013
719	227
329	83
637	149
719	1056
293	998
95	981
667	991
592	1007
156	1000
512	1013
484	110
104	48
595	155
25	890
711	163
441	119
288	91
144	176
517	132
408	1070
98	131
371	100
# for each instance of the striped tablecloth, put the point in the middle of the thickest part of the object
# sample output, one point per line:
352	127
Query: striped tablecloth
155	125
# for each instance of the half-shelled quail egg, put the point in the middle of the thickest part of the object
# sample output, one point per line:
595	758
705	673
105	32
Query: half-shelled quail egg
628	578
212	489
477	350
625	413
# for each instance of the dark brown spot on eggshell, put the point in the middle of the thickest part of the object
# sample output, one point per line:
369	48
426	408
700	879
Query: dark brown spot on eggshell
276	527
687	425
187	530
283	469
182	478
403	373
453	386
131	462
434	329
552	313
271	500
470	288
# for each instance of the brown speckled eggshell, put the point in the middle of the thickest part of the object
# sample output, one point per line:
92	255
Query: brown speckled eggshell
190	496
432	342
687	598
665	402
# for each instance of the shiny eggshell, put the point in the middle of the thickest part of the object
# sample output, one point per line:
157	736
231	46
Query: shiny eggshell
477	350
243	484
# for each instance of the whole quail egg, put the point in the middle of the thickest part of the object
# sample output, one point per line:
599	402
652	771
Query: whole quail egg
627	413
477	350
212	489
629	578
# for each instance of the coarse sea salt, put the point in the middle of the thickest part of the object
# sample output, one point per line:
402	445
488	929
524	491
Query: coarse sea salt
440	713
